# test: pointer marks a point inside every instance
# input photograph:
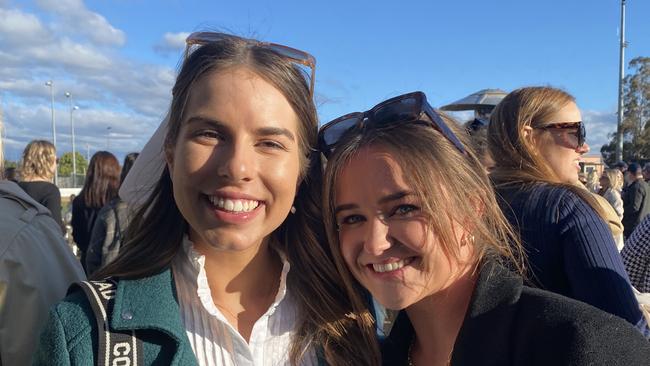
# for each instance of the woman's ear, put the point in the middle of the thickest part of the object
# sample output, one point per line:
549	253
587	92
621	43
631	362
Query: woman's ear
527	133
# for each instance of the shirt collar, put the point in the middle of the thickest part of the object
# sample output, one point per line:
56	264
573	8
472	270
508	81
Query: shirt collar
197	262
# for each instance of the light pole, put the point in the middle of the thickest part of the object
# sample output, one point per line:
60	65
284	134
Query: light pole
50	83
74	150
621	75
108	138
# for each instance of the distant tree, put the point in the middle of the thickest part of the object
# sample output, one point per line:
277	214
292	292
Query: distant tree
636	115
10	164
65	164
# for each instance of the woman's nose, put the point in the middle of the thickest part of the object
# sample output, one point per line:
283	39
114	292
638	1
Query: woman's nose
377	238
236	164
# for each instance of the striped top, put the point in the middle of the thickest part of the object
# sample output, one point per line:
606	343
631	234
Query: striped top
570	249
214	340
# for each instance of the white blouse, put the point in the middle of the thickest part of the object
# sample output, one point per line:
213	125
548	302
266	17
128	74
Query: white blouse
216	342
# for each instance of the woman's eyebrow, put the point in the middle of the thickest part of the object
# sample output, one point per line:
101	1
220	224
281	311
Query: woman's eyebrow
345	206
394	197
201	119
275	131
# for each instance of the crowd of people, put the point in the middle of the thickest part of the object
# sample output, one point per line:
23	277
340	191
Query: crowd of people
259	238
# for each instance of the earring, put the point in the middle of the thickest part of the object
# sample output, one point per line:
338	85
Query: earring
293	209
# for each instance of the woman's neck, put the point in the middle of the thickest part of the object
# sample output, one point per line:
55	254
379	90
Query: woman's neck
437	319
244	283
36	179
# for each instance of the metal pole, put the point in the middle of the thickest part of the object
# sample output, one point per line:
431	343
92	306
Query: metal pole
50	83
621	76
74	151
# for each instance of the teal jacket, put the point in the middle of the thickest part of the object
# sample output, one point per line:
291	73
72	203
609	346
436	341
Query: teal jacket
149	305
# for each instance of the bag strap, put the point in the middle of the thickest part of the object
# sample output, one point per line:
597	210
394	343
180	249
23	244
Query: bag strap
116	348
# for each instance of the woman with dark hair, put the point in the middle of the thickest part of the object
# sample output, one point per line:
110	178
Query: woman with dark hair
101	185
421	229
109	228
37	170
537	138
226	262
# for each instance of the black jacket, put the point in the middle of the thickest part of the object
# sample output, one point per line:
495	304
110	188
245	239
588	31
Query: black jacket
511	324
636	205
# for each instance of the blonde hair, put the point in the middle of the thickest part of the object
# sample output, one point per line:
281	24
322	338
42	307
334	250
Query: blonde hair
39	160
615	179
451	187
516	157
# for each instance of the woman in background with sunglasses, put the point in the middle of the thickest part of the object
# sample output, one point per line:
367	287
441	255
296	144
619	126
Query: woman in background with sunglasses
226	262
412	218
537	138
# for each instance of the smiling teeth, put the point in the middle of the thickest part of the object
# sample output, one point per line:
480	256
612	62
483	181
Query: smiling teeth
388	267
234	205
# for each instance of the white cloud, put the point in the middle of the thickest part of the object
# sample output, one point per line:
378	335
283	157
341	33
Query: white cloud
130	97
600	124
18	27
171	43
75	16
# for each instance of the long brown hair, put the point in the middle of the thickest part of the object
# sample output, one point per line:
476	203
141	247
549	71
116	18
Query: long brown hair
155	234
451	186
516	158
102	180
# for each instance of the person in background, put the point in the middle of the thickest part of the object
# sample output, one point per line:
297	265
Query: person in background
646	172
537	138
12	174
421	230
611	184
110	226
636	256
100	187
592	182
636	199
478	138
36	269
37	170
622	167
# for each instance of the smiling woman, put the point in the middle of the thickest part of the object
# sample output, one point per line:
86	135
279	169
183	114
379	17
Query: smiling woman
420	228
215	270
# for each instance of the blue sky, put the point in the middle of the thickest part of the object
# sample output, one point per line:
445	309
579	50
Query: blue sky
118	58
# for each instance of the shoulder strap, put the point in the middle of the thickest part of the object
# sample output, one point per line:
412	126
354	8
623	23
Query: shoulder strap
115	348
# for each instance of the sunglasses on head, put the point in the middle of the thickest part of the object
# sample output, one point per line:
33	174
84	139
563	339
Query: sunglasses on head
295	55
580	126
407	108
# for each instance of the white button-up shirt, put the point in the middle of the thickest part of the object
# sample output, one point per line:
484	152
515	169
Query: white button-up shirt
214	340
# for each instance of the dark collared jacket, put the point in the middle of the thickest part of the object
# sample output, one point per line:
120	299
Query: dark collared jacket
511	324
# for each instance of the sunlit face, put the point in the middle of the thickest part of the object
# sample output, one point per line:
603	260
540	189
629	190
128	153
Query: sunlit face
383	234
558	146
235	164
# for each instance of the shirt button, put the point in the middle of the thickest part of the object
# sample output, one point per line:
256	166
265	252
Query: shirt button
127	315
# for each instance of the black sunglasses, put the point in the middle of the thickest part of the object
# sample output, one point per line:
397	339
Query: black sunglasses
580	126
407	108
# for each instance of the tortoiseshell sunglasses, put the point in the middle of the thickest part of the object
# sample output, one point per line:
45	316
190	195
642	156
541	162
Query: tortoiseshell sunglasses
295	55
580	134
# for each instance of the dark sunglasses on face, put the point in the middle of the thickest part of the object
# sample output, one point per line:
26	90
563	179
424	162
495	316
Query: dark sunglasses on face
407	108
295	55
581	133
